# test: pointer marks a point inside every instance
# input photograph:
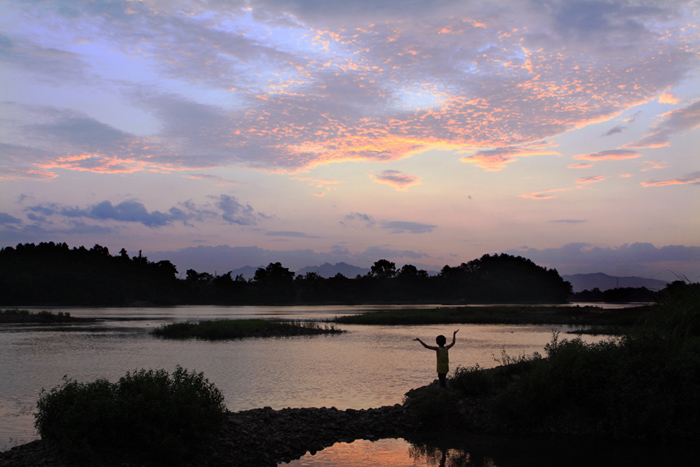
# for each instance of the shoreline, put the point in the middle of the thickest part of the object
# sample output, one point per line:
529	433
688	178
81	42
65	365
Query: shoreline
262	437
265	437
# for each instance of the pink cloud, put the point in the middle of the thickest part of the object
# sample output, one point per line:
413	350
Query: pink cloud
494	160
652	165
674	122
25	174
544	194
398	180
693	178
589	180
610	155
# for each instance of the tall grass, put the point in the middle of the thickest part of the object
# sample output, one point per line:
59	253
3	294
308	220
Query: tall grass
241	328
643	385
536	314
25	316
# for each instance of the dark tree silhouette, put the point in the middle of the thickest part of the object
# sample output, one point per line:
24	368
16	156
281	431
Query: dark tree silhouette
54	274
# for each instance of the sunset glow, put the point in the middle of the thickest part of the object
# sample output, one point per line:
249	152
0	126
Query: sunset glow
423	133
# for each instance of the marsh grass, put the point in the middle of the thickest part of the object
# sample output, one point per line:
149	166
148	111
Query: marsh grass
242	328
43	317
499	315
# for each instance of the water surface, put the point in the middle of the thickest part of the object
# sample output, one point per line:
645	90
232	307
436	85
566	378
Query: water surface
369	366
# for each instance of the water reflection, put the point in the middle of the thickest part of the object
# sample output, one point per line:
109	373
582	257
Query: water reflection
502	451
424	454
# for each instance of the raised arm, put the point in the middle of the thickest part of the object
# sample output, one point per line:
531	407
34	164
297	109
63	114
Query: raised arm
425	345
454	337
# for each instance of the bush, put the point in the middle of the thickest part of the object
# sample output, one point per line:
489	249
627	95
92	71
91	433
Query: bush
641	387
149	417
472	381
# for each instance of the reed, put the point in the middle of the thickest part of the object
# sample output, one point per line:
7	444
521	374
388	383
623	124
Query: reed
499	315
25	316
242	328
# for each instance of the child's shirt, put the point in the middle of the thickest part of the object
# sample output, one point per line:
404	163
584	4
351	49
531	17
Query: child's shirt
443	360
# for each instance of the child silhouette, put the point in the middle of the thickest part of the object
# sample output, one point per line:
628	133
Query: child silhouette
443	357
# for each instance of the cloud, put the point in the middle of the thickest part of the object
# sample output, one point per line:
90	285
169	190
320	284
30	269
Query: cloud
654	165
288	86
547	194
674	122
582	165
326	185
48	64
356	218
8	219
497	159
127	211
614	130
550	194
15	157
397	227
397	179
589	180
610	155
668	98
636	259
235	212
693	178
289	234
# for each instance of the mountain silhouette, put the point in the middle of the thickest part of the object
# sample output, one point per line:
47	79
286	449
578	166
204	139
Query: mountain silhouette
602	281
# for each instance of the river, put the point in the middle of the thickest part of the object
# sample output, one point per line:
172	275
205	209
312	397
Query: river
368	366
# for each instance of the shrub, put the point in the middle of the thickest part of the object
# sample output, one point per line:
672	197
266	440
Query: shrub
678	311
149	417
633	387
472	381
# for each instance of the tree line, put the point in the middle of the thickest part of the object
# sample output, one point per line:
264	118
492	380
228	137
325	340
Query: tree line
55	274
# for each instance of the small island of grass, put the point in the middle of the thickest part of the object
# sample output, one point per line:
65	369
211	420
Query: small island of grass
16	316
535	314
242	328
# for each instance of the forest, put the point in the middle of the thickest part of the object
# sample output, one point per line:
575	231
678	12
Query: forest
54	274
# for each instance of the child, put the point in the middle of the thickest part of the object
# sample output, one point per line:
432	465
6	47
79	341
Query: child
443	357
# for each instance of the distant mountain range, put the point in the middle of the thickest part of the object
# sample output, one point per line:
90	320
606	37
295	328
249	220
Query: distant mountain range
330	270
325	270
579	282
601	281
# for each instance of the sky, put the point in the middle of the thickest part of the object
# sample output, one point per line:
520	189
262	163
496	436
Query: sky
221	134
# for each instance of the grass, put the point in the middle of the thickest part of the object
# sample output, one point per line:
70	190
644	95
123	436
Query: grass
500	315
241	328
16	316
642	385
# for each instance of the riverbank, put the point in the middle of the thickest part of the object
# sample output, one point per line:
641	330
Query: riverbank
267	438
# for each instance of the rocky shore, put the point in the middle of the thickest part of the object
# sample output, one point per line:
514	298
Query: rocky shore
262	437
